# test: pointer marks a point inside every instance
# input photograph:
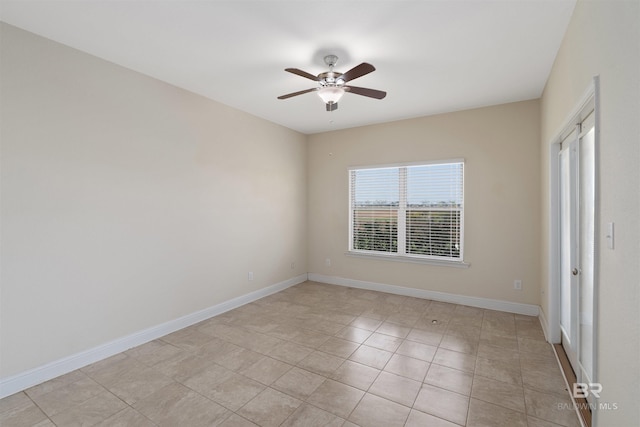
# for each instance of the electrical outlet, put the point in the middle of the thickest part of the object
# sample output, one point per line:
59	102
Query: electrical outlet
293	265
327	262
250	276
517	285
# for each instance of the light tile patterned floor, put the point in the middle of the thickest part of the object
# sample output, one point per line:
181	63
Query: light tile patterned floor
319	355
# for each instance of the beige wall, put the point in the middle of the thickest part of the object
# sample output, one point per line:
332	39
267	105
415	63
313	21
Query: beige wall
127	202
603	39
500	146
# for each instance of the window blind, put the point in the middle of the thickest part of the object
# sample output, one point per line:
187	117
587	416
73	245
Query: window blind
414	210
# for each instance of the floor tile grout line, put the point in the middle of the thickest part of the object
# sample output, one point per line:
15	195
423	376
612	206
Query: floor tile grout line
473	379
38	406
105	389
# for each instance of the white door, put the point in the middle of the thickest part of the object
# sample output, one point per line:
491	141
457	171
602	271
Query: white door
586	259
569	246
577	243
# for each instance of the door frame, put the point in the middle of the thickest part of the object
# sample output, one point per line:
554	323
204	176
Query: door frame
589	101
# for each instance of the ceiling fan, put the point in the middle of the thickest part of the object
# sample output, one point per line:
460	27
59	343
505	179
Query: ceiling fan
332	84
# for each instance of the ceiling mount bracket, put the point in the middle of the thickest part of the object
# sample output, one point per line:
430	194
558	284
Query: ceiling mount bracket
330	60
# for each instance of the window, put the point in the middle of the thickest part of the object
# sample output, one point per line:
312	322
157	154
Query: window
413	211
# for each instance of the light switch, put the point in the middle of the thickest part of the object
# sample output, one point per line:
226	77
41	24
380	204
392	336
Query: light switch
610	235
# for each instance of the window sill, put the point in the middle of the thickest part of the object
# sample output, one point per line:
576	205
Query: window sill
414	260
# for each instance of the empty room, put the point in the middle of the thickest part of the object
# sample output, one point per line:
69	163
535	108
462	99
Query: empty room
320	213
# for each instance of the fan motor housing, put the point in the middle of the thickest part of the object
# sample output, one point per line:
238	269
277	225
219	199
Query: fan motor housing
330	78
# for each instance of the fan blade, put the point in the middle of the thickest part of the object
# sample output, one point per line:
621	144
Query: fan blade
289	95
371	93
302	73
357	71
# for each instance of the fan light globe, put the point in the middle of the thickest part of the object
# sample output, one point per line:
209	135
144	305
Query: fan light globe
331	94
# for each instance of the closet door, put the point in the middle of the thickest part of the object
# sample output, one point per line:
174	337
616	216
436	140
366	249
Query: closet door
569	246
587	195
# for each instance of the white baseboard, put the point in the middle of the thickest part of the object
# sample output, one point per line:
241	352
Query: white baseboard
24	380
545	325
491	304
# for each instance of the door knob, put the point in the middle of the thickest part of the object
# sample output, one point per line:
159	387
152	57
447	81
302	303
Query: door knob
574	271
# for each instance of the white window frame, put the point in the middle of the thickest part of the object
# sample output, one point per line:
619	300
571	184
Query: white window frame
401	255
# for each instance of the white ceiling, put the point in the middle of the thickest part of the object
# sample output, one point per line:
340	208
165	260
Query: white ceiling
431	56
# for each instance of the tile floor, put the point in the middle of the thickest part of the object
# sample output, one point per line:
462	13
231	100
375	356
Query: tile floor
319	355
